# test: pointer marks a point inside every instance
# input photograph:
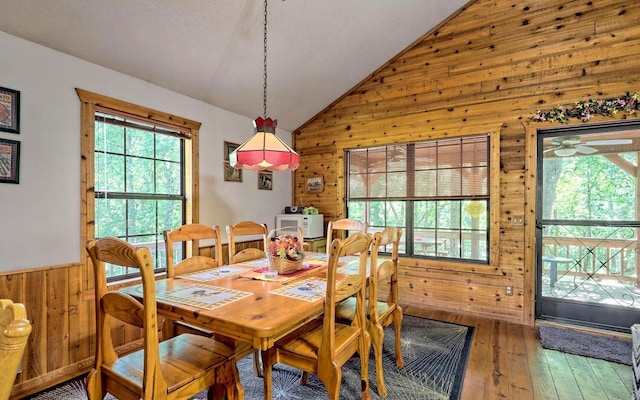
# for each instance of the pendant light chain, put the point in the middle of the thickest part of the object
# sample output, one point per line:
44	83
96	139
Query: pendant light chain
264	99
264	150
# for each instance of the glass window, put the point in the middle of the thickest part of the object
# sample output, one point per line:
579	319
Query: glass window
437	191
139	183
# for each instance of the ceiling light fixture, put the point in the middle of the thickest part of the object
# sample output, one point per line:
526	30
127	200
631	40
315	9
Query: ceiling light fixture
264	150
565	151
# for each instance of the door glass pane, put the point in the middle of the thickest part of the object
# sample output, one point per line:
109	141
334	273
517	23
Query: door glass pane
591	264
590	220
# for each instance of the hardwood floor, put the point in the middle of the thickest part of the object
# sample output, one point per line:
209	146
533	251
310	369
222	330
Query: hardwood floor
508	362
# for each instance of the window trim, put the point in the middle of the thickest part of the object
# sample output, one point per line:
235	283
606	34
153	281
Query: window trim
497	215
90	103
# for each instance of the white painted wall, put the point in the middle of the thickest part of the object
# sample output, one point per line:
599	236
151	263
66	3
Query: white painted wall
40	216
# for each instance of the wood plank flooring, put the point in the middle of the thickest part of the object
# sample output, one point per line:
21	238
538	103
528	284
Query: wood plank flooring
507	361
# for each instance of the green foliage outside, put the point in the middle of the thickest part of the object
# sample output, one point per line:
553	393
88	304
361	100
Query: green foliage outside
590	188
138	181
599	191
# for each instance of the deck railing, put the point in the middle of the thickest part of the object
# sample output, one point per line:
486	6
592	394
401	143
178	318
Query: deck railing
596	256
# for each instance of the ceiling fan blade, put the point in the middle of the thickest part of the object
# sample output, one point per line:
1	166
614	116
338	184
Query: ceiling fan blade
611	142
581	148
571	141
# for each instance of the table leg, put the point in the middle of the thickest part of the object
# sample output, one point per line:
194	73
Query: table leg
228	385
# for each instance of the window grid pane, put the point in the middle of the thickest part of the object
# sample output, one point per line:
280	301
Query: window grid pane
437	191
139	185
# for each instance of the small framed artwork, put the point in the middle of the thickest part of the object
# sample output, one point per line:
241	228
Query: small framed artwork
315	184
265	180
228	149
9	110
9	160
231	174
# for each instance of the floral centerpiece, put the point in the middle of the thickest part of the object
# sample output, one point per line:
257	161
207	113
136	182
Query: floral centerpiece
287	247
285	253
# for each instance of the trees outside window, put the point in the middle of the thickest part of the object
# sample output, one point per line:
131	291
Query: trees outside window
139	183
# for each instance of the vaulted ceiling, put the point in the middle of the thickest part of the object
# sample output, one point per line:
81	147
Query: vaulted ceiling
212	50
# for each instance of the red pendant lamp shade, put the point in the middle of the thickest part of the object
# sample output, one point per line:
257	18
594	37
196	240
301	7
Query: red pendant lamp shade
264	150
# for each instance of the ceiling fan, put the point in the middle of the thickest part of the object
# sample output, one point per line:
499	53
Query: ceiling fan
566	146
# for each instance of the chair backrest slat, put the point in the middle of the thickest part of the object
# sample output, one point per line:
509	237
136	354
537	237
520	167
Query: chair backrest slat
345	226
246	228
124	307
193	261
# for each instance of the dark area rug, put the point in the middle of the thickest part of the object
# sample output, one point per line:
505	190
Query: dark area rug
586	344
435	355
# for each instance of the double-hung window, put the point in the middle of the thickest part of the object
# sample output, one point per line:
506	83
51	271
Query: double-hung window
437	191
139	183
139	176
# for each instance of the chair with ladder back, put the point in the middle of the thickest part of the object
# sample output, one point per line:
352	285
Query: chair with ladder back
381	313
323	346
175	368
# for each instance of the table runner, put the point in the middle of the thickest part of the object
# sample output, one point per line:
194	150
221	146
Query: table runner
258	273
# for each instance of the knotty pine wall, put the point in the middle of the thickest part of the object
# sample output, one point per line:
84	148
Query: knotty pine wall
484	70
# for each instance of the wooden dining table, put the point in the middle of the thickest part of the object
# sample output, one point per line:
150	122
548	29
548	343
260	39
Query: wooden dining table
240	305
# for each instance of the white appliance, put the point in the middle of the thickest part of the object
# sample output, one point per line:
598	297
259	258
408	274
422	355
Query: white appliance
312	225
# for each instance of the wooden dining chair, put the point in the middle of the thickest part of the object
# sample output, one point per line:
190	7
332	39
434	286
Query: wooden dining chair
236	255
187	237
323	346
190	235
14	333
381	314
343	226
176	368
246	228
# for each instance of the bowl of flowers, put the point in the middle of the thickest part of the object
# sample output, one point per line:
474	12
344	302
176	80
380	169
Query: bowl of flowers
285	250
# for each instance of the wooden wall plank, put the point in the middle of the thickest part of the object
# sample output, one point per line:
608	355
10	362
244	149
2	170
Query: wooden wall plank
11	287
79	313
57	318
35	300
486	70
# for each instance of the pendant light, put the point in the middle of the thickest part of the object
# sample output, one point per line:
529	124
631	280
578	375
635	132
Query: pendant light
264	150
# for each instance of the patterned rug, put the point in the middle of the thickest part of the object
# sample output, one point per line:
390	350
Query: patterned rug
435	355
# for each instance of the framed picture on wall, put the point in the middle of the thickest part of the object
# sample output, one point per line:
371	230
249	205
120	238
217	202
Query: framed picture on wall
9	110
228	149
315	184
265	180
231	174
9	161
